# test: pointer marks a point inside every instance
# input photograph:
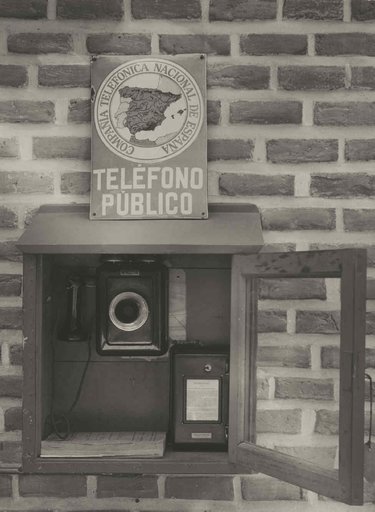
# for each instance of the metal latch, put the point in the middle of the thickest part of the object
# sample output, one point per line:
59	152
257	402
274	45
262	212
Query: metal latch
227	366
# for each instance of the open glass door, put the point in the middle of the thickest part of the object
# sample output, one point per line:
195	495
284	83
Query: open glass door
297	369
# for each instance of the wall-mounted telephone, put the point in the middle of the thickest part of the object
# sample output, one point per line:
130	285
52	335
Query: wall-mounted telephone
131	308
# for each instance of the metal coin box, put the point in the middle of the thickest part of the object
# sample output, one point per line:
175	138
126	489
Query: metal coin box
200	389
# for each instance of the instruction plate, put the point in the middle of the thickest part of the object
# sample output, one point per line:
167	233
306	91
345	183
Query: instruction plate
202	399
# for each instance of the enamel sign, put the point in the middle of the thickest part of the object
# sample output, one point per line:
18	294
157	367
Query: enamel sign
149	138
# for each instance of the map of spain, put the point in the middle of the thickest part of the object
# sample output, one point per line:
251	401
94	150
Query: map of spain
142	109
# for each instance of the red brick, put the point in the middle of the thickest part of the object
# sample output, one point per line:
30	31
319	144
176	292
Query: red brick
266	112
129	486
13	76
354	43
359	220
75	183
195	43
299	151
199	487
166	9
15	355
5	486
360	150
238	77
60	486
117	43
273	44
9	147
342	185
10	318
330	357
318	322
349	113
11	386
231	184
62	147
79	111
26	182
13	419
271	321
9	251
265	488
10	452
90	9
327	422
283	219
27	111
289	357
292	289
230	149
8	217
26	9
316	10
304	388
213	112
10	285
363	10
307	78
76	75
40	43
363	78
283	421
321	456
242	10
370	292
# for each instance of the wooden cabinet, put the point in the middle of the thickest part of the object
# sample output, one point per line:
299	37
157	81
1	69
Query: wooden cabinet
235	312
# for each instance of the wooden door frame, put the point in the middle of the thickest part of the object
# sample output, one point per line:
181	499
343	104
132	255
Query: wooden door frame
349	265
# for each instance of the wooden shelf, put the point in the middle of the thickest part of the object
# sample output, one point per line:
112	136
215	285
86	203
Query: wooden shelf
105	452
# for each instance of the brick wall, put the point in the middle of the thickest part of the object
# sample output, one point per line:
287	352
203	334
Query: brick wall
291	111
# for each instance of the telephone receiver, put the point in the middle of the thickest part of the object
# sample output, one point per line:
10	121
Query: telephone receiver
72	330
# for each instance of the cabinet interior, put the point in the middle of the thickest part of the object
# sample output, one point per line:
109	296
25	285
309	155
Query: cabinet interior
124	393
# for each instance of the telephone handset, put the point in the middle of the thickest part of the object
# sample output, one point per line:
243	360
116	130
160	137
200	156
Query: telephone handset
71	329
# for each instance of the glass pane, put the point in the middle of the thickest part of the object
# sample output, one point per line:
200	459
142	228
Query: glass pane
297	366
